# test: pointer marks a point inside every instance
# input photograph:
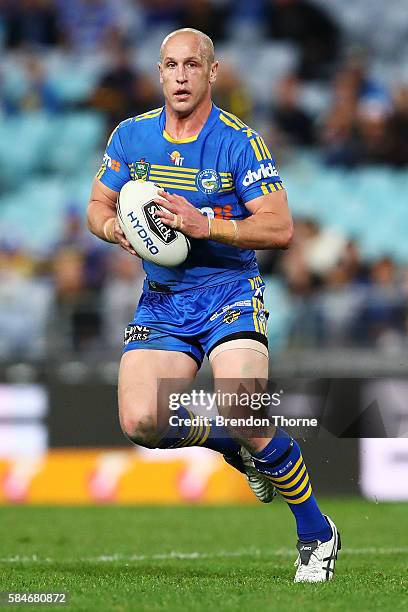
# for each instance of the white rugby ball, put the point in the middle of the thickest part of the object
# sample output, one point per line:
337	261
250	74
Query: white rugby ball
148	235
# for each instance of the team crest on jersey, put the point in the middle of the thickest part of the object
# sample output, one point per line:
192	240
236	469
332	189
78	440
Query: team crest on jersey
140	170
208	181
231	316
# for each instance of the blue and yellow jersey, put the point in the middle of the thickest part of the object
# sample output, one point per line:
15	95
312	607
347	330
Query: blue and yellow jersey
226	165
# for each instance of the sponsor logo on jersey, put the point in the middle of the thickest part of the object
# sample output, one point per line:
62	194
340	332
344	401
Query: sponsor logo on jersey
134	333
111	163
264	172
225	309
176	158
141	169
163	232
231	316
208	181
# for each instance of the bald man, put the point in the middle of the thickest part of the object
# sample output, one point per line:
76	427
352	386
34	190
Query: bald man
223	191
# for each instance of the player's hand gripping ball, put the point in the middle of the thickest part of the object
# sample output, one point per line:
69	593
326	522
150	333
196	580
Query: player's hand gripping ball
152	239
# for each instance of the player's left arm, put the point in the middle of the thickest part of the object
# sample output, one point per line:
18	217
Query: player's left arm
269	226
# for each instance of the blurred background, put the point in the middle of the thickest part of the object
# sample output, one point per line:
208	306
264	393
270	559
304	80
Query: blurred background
326	83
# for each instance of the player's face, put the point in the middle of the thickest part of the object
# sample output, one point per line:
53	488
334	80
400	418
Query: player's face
186	74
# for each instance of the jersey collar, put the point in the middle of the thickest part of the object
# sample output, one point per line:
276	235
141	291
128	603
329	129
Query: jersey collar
211	120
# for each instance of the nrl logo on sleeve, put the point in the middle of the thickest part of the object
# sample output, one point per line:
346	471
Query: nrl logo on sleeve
264	172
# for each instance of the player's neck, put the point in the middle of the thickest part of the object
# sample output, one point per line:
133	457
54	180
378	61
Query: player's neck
179	127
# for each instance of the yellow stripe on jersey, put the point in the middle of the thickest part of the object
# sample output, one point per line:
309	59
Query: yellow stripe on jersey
239	123
167	136
155	112
100	172
256	149
111	136
225	174
271	188
158	177
235	119
266	148
174	168
230	123
187	177
263	147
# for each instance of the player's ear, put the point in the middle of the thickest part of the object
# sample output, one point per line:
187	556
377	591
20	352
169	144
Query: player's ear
160	68
213	72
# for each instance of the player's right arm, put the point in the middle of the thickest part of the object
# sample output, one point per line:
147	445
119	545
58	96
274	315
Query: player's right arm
113	174
101	216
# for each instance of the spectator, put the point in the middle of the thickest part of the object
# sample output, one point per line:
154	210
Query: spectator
383	316
287	114
39	92
312	29
76	324
398	129
231	94
122	91
208	16
30	23
124	281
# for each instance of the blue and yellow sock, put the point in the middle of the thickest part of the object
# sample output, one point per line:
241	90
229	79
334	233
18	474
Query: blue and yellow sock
206	434
282	462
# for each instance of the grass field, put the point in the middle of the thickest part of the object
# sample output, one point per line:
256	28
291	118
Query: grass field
201	558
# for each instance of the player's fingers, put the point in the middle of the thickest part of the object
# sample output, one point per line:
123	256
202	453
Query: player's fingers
127	247
169	206
166	195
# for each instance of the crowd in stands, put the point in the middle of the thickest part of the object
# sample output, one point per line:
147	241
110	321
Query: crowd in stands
324	98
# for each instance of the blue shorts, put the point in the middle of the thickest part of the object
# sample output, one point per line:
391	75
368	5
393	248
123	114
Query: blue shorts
197	320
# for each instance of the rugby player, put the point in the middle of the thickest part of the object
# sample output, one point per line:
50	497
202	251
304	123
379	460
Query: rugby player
223	191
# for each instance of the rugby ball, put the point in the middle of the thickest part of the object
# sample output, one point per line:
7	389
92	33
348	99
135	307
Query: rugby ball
148	235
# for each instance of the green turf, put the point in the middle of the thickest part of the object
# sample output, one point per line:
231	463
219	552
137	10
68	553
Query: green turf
243	562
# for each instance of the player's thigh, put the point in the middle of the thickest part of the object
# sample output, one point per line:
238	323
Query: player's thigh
140	372
240	359
238	372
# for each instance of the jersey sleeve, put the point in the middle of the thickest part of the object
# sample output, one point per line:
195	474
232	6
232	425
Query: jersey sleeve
114	171
255	172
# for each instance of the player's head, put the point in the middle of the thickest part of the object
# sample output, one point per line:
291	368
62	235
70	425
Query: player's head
187	69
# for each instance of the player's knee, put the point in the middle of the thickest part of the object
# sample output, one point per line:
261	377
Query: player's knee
141	430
